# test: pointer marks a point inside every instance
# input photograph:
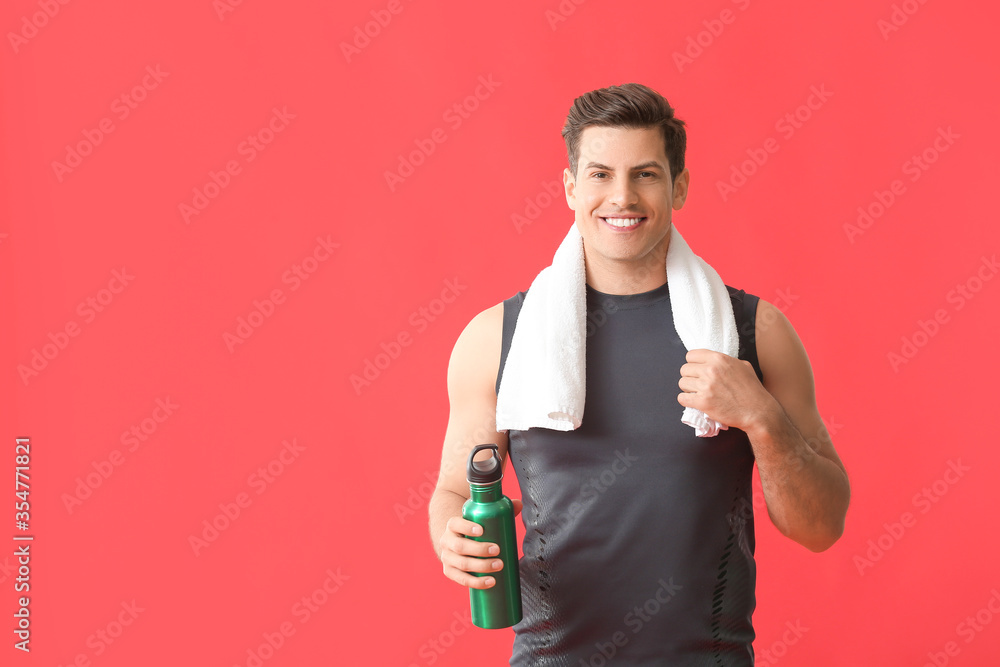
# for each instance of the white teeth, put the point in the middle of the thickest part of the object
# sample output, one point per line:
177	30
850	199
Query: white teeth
623	222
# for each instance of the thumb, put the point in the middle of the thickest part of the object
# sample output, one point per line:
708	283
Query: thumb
518	504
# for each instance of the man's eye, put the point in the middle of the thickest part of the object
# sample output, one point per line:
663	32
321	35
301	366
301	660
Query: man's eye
599	173
648	173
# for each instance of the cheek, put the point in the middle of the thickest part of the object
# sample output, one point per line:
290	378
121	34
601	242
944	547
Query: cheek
589	200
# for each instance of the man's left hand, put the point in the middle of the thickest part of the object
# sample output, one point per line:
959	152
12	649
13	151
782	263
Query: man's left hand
724	388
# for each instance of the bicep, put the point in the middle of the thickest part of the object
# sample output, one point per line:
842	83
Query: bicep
472	400
788	377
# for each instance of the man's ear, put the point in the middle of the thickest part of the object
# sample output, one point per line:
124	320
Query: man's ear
569	185
681	184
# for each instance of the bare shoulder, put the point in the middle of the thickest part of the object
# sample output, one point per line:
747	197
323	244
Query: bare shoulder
475	359
780	351
472	398
485	326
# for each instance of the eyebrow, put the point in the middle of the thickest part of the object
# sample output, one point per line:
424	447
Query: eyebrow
644	165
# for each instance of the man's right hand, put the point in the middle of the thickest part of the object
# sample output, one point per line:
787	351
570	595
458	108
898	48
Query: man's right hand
462	556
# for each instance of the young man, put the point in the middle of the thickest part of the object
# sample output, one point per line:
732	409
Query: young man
639	536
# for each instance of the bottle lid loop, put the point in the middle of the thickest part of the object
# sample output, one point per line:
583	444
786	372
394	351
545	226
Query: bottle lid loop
487	471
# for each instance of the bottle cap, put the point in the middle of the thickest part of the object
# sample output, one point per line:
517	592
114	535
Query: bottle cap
484	472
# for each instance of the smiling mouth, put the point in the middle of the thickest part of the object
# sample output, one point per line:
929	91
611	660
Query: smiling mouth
624	223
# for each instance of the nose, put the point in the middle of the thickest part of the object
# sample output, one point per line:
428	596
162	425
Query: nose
623	195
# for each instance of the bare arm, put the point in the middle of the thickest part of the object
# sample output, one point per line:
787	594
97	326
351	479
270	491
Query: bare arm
472	373
805	484
804	481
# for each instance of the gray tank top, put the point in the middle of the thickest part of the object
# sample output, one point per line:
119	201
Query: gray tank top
639	538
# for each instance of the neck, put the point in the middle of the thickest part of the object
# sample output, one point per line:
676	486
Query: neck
627	277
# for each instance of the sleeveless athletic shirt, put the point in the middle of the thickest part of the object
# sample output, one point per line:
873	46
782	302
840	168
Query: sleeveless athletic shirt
639	540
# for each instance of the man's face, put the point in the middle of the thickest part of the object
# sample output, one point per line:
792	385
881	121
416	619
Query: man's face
623	196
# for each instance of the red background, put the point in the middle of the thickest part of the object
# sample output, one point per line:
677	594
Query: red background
339	504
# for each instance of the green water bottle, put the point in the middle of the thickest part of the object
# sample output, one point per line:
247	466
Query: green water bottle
500	605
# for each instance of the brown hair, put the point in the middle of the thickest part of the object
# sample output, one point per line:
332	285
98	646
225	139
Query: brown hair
630	105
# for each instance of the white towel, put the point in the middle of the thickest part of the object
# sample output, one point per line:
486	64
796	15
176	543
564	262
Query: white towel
544	377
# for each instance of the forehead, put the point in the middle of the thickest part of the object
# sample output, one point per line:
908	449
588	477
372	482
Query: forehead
622	143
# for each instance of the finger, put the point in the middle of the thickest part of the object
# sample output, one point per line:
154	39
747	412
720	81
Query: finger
689	385
463	546
518	505
471	564
692	370
464	527
468	580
